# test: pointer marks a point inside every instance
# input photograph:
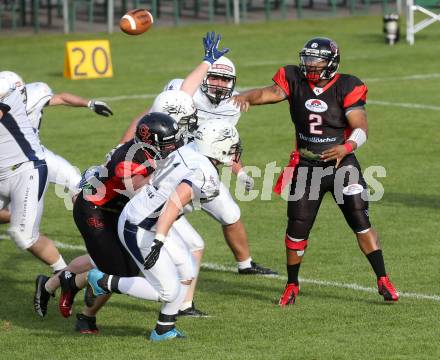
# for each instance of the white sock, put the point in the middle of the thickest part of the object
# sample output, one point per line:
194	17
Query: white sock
138	287
59	265
185	305
244	264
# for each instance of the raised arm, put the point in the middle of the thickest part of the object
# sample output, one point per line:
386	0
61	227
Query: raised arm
211	55
266	95
68	99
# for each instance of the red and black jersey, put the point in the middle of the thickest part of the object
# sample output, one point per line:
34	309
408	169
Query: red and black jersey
319	113
122	164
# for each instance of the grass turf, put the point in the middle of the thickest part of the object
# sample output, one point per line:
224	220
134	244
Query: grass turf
327	322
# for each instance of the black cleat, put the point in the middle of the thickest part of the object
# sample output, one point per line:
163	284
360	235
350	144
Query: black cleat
41	295
86	324
192	312
256	269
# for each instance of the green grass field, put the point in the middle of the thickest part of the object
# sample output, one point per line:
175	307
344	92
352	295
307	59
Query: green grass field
331	320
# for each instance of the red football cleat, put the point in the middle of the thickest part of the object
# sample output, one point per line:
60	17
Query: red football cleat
387	289
289	296
67	294
66	302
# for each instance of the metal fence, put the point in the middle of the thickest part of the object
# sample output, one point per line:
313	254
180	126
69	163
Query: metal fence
102	15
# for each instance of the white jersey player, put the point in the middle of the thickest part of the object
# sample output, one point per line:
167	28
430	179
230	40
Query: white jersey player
210	88
23	173
185	179
212	102
40	95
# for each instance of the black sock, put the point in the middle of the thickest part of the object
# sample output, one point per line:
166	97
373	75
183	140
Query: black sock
103	283
165	323
292	273
72	283
67	281
376	260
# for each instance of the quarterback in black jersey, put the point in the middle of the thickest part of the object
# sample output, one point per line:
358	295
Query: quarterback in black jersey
328	111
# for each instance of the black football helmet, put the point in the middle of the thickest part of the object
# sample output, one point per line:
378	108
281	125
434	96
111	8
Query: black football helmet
159	134
315	53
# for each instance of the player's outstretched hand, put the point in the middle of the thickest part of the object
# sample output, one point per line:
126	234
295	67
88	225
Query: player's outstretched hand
151	258
212	52
100	107
246	180
241	102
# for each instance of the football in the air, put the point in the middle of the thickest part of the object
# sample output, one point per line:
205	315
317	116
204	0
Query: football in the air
136	22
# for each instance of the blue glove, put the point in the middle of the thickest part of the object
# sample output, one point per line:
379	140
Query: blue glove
210	43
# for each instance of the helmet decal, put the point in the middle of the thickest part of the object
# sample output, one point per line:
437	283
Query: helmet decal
144	133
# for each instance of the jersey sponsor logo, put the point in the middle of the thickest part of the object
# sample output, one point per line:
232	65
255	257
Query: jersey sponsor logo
315	139
316	105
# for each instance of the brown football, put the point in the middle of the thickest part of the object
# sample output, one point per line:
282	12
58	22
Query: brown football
136	22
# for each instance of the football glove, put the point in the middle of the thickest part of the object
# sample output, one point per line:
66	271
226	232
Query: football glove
210	43
151	258
100	107
246	180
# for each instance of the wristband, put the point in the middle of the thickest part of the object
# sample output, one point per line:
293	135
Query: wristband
160	237
348	147
358	136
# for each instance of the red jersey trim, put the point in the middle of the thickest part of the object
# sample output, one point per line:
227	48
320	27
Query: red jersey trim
330	83
280	79
126	169
358	93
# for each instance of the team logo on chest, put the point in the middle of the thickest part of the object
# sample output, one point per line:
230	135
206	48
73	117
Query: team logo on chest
316	105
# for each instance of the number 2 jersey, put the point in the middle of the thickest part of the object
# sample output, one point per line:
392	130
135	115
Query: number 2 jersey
319	114
185	165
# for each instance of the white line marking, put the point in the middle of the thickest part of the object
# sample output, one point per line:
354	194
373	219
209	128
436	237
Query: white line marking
230	269
369	102
404	105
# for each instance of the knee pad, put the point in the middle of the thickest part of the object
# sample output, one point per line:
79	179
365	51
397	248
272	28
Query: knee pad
299	228
21	239
194	242
186	271
169	292
355	208
298	245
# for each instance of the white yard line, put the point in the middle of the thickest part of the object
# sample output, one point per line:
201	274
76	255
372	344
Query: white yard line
371	102
230	269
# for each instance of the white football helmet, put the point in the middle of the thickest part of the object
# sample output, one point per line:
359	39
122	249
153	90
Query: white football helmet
219	140
180	106
225	69
15	82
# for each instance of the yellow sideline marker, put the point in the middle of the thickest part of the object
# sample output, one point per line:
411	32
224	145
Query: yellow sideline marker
87	60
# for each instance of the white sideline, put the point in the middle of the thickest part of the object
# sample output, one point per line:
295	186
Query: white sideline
230	269
372	102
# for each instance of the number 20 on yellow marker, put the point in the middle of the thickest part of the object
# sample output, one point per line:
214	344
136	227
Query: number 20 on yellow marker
87	60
